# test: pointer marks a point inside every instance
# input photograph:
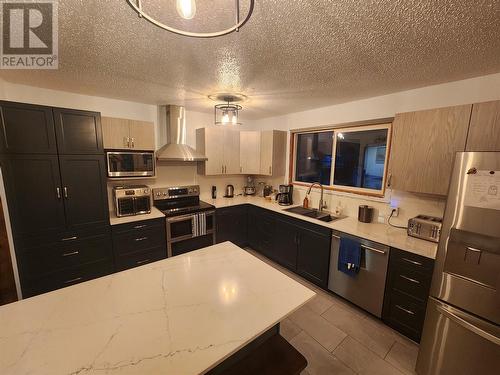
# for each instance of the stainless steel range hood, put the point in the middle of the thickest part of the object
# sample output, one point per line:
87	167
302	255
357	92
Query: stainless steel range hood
172	135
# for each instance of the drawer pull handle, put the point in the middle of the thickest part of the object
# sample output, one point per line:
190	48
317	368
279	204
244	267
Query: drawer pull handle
335	236
140	226
412	261
405	310
141	239
73	280
409	279
143	261
69	238
373	249
71	253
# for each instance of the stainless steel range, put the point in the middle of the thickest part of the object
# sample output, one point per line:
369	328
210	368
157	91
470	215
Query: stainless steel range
190	222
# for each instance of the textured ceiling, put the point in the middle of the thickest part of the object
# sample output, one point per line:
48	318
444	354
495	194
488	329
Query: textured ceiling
292	54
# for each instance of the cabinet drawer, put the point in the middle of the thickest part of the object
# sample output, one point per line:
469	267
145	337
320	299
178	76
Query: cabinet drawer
50	258
406	314
139	240
124	262
416	284
138	226
67	277
416	262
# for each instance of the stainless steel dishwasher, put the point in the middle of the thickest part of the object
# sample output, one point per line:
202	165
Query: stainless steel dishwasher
366	289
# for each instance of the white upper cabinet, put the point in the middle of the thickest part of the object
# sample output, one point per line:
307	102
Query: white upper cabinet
272	153
124	134
250	152
222	149
232	152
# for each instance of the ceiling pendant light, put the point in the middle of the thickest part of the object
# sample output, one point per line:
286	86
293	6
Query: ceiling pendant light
227	114
187	10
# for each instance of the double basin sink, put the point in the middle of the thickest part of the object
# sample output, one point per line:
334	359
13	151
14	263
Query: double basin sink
312	213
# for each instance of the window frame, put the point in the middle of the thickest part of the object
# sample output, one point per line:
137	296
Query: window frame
341	129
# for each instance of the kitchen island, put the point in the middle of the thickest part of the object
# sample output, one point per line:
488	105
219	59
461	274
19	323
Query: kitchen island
182	315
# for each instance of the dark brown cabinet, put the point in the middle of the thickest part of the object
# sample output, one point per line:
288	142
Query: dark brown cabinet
285	241
313	256
54	174
406	293
139	243
27	129
33	186
261	230
231	223
84	190
78	132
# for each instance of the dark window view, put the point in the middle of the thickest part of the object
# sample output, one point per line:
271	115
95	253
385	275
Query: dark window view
360	159
314	157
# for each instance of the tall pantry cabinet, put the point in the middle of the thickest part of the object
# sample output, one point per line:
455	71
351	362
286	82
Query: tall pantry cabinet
54	173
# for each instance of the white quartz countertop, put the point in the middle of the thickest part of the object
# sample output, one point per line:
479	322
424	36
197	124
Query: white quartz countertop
381	233
182	315
155	214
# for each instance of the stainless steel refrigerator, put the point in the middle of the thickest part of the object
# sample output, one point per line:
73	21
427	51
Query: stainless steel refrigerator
461	331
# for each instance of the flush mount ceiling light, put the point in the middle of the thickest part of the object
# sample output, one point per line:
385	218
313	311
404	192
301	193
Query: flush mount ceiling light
187	10
227	114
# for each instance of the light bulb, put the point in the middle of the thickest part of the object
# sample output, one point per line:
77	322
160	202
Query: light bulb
234	120
225	117
186	8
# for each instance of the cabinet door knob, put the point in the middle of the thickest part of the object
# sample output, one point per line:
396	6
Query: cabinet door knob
65	192
58	193
125	142
132	141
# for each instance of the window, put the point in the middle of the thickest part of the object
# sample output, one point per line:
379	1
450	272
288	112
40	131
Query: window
352	159
314	157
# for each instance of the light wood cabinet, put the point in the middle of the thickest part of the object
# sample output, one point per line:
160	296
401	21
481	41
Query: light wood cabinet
272	153
124	134
222	149
484	128
250	152
423	147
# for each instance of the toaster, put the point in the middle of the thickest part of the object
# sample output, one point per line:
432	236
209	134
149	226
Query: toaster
425	227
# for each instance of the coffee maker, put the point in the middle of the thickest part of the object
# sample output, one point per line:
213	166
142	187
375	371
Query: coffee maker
284	197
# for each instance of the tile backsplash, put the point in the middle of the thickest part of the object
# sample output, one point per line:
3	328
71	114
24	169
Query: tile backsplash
174	174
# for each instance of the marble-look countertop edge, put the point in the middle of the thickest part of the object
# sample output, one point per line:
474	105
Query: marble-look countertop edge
377	232
60	315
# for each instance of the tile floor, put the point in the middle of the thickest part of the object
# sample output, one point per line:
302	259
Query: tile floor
336	337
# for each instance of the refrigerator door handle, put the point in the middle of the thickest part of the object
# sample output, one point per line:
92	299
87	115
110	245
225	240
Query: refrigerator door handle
462	321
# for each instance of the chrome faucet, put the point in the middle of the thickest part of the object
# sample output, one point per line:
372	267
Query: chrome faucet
321	203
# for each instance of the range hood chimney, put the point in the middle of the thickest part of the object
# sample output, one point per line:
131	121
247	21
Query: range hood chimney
172	134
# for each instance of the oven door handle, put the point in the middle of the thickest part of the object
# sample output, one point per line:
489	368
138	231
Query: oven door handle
194	225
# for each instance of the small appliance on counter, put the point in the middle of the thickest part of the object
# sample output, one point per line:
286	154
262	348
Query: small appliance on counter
425	227
123	164
268	190
284	196
261	189
249	189
229	191
132	200
214	192
365	214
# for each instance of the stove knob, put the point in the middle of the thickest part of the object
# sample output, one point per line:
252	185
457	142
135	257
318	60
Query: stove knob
158	194
164	194
146	191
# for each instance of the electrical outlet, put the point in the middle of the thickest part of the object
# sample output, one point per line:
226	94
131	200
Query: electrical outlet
395	211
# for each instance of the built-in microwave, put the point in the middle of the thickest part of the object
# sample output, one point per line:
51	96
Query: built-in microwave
130	163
